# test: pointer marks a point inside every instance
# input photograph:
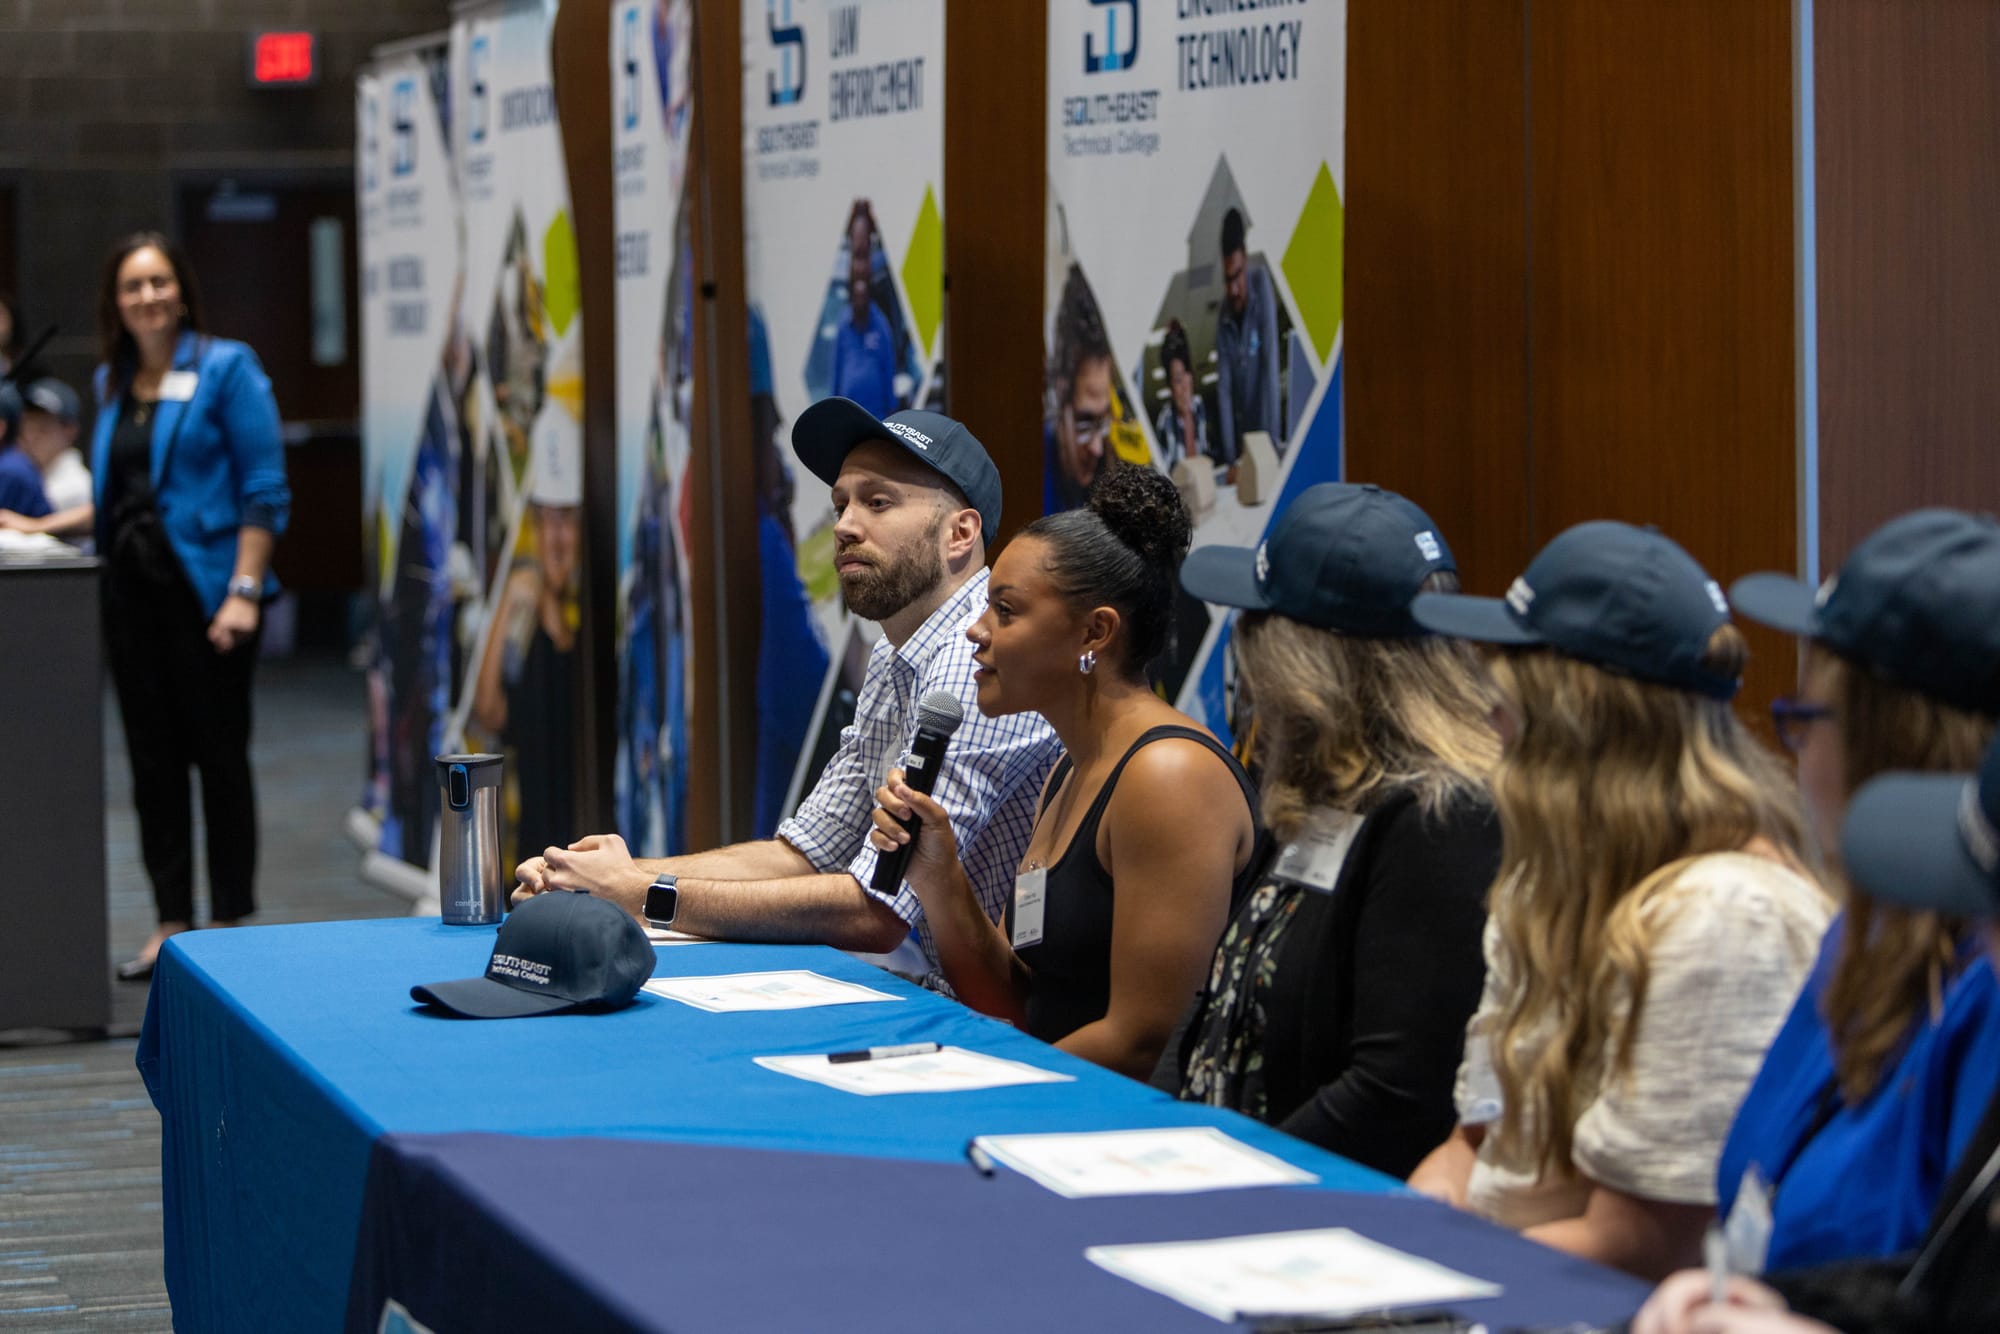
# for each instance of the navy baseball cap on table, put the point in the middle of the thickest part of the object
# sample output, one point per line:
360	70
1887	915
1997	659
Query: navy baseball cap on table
52	396
1624	598
1918	602
558	951
1342	557
1928	841
830	429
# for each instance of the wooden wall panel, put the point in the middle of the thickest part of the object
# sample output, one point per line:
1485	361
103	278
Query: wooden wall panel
1435	344
995	191
578	55
1661	321
1908	163
722	471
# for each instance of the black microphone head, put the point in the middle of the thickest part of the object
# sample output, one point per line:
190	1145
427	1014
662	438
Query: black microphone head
939	711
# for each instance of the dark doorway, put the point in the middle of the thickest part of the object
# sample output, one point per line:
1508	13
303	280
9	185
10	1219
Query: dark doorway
276	262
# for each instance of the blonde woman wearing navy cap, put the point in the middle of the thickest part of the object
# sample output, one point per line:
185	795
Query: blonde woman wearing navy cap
1880	1074
1652	918
1336	1003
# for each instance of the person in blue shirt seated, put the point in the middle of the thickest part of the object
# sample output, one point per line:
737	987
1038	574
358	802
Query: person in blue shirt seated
1930	842
864	347
1880	1073
21	495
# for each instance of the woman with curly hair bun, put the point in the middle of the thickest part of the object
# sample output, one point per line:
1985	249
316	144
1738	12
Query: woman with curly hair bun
1145	834
1653	915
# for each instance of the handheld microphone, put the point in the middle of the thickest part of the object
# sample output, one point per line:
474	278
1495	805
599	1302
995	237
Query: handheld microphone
938	715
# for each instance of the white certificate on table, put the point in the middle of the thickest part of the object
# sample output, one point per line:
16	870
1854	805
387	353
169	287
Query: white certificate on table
666	935
1332	1271
1176	1161
947	1070
791	989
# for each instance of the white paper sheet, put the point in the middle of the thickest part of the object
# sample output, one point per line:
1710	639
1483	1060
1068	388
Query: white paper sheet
950	1070
791	989
666	935
1323	1271
1176	1161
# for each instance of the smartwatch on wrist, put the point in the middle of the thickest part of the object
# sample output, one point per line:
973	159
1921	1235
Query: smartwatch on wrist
243	586
663	899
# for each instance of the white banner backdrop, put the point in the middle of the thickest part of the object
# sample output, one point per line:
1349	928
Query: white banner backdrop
1196	167
843	148
652	114
409	238
522	478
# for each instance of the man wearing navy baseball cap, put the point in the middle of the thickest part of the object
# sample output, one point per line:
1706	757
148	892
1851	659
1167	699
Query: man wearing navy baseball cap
915	499
1929	842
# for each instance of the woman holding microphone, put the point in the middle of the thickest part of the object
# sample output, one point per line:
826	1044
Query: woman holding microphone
188	461
1145	834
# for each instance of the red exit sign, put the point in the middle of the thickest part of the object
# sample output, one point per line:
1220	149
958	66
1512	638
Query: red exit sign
288	59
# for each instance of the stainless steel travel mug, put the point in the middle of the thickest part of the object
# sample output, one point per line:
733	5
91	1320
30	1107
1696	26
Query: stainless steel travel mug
472	883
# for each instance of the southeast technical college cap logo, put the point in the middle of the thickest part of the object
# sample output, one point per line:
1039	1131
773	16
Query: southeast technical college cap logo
1520	597
911	434
1427	545
521	970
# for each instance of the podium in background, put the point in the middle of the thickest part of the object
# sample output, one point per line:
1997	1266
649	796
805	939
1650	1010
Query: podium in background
54	962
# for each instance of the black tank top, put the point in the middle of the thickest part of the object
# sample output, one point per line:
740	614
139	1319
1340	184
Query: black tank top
1071	966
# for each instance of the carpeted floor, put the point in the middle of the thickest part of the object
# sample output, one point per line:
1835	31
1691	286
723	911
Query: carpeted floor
79	1141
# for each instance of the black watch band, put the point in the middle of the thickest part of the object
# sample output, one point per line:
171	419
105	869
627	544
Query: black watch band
663	900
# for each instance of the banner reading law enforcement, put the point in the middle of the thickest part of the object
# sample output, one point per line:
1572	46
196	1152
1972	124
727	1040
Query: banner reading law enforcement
1196	165
652	114
843	122
521	476
411	386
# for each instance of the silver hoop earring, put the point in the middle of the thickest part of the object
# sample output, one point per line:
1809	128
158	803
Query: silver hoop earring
1086	662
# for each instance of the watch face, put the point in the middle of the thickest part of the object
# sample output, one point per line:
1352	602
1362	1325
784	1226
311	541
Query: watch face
661	900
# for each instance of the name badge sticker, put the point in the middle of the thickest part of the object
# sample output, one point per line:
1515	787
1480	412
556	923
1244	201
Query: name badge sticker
1747	1232
1031	892
1315	857
178	386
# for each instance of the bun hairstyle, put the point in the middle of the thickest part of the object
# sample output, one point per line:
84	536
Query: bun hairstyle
1124	551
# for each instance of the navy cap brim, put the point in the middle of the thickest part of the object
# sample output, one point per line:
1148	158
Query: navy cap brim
1777	600
828	431
483	998
1225	576
1462	616
1900	841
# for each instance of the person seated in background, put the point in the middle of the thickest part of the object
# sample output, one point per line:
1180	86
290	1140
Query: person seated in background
1182	426
1652	919
1881	1072
1336	1003
48	431
1143	841
1076	440
914	497
1930	843
22	500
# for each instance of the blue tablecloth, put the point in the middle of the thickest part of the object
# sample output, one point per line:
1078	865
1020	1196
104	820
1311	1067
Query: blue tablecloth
278	1055
483	1232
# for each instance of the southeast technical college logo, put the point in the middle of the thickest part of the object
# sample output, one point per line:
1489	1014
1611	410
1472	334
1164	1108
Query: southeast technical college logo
785	85
1112	55
629	67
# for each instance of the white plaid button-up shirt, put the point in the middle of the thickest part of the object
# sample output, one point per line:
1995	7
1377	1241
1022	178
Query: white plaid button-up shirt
991	779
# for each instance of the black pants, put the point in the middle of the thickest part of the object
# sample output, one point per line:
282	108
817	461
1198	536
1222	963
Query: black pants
184	706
